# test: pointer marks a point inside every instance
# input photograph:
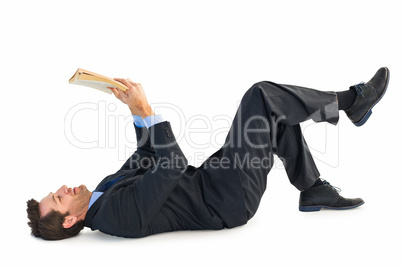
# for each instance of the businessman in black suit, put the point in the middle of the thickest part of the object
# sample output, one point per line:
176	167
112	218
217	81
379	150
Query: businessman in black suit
157	191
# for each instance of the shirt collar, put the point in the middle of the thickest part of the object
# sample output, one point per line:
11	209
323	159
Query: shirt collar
94	197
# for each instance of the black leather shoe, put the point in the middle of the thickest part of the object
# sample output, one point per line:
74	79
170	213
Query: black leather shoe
368	95
325	196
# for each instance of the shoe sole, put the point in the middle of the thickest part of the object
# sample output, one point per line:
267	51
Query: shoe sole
368	114
318	208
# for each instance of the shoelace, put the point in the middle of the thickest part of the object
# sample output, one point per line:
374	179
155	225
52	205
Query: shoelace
359	89
337	189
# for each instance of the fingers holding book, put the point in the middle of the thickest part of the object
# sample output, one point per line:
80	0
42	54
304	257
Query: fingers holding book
134	97
117	93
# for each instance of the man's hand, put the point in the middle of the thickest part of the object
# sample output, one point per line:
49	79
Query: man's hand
134	97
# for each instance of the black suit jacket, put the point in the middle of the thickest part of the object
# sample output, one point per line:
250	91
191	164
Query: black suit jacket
160	192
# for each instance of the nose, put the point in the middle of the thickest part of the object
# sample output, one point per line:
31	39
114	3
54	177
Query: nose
63	190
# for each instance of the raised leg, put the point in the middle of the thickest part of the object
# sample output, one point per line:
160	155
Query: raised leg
267	123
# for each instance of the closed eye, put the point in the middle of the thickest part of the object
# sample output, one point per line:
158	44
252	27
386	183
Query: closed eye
54	199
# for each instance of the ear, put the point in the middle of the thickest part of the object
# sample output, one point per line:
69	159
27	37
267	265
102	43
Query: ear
69	221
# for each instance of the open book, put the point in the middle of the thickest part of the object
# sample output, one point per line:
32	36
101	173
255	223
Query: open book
89	79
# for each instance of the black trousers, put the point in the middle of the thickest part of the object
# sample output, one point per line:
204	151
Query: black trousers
267	123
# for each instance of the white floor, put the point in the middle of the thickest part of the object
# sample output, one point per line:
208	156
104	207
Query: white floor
195	60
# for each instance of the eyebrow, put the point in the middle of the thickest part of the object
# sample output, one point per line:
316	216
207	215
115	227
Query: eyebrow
54	200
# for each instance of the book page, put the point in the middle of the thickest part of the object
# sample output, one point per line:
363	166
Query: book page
95	84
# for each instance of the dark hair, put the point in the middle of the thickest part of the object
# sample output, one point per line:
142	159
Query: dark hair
50	227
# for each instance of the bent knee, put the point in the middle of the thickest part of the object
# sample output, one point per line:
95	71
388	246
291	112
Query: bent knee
266	88
261	84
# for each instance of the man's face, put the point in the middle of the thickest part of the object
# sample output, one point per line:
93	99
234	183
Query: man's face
73	200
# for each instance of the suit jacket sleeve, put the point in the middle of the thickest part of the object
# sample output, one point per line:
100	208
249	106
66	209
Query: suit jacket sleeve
137	204
144	150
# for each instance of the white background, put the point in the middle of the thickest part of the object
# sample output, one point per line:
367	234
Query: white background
200	56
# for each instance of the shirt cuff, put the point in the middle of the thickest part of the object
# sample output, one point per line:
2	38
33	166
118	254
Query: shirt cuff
147	121
151	120
138	121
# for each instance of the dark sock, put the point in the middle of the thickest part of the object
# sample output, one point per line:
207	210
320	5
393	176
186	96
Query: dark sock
346	98
317	183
